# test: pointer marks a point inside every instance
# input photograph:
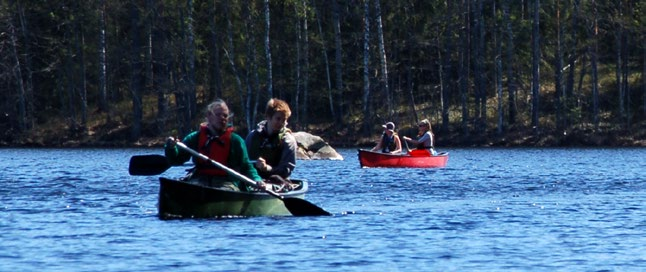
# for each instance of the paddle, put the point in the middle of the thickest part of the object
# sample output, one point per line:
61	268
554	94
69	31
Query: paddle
148	165
296	206
407	148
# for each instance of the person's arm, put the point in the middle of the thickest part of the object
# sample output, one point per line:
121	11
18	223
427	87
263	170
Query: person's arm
287	158
398	145
378	146
412	141
176	156
431	140
239	158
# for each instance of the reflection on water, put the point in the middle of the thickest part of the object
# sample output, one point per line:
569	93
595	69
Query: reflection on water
489	209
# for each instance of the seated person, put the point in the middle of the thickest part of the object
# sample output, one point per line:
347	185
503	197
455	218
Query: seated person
389	142
272	144
216	140
424	137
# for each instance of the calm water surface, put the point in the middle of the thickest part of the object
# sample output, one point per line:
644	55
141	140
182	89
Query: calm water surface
490	209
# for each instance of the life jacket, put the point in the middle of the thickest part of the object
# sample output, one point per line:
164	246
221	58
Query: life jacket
421	145
269	147
214	147
388	143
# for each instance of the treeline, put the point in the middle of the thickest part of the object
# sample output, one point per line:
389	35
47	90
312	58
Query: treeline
472	66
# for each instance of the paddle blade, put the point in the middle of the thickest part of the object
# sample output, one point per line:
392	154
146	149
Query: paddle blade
148	165
301	207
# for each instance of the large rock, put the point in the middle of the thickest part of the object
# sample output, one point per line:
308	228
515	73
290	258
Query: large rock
312	147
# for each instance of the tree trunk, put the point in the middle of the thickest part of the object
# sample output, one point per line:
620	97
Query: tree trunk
82	84
215	88
249	110
511	78
151	81
190	60
183	100
135	73
256	76
102	48
626	59
558	69
383	61
27	67
498	34
22	115
620	51
478	68
568	98
367	121
306	67
70	85
298	67
411	44
463	73
270	88
338	62
230	53
593	61
536	58
447	68
326	61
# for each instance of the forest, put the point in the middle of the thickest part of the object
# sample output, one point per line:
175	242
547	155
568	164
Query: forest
485	72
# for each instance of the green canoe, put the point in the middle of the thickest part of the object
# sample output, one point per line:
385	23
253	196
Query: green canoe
181	199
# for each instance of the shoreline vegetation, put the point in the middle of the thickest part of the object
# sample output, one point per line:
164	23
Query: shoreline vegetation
117	136
486	73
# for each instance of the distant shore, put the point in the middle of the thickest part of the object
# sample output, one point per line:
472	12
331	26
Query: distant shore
515	139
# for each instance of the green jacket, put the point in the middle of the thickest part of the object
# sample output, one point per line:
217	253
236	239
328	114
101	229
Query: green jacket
238	158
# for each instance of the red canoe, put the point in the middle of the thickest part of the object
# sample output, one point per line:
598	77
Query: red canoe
377	159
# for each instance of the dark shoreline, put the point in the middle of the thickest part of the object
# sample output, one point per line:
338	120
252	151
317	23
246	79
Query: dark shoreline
574	139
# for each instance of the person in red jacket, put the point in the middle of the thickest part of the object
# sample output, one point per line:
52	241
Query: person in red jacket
216	140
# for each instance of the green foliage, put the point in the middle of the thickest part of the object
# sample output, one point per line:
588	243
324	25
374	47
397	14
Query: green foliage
57	49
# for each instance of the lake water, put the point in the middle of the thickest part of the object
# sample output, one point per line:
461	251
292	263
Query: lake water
490	209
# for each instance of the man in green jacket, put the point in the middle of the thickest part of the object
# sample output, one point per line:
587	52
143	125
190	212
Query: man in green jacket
216	140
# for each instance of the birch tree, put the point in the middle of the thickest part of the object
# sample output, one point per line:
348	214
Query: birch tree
366	69
270	88
383	61
102	61
338	62
17	73
326	62
498	33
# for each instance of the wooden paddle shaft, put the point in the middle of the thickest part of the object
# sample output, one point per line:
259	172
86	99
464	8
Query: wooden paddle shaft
223	167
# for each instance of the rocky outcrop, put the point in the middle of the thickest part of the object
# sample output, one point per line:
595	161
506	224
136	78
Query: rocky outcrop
312	147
